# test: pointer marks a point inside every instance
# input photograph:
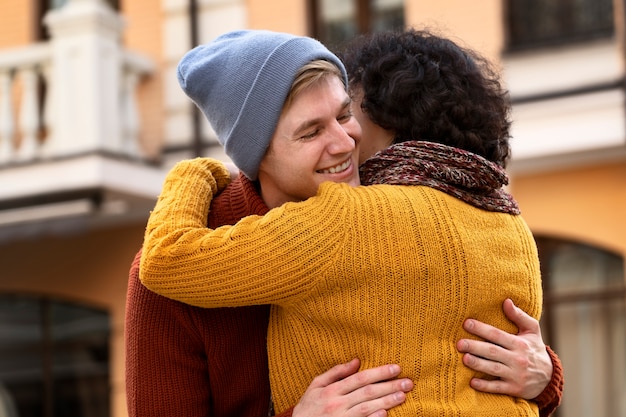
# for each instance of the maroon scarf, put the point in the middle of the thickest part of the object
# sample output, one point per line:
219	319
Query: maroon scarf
464	175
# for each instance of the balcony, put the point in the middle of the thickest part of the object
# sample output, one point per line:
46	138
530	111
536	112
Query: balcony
70	155
564	68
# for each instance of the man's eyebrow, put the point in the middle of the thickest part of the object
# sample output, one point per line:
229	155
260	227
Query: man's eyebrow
305	125
347	102
312	122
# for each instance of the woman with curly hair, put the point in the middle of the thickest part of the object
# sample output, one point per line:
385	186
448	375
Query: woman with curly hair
419	86
414	87
387	273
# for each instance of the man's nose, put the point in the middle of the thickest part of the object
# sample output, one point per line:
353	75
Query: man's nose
343	139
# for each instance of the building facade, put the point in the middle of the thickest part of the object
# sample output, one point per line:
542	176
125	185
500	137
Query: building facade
91	119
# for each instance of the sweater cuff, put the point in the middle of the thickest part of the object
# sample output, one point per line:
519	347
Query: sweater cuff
220	174
550	397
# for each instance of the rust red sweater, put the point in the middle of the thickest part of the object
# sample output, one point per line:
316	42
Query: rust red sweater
184	361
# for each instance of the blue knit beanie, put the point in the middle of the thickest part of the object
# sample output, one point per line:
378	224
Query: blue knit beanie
240	82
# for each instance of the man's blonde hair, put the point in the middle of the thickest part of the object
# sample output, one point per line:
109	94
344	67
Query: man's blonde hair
309	75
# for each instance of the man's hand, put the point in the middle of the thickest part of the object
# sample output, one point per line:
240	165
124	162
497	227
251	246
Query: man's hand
520	362
342	391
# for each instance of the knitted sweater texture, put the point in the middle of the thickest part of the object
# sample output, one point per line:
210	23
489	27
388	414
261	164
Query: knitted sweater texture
185	361
385	273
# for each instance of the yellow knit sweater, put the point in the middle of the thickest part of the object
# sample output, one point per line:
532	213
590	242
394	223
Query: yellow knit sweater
383	273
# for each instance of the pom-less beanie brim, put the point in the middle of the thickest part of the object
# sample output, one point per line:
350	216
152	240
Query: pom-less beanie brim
240	82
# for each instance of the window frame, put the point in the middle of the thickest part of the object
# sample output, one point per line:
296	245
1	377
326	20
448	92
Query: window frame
567	32
59	349
548	248
364	19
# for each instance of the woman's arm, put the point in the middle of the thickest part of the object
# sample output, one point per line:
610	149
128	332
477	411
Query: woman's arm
267	260
524	366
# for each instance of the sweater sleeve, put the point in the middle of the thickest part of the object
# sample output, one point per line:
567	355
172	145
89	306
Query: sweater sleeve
550	397
269	260
184	361
156	331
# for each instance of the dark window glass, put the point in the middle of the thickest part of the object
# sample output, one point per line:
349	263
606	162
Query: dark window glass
54	359
387	15
55	4
536	23
338	20
584	320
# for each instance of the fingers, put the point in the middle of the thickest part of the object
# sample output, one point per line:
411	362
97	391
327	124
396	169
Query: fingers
487	366
506	382
369	376
373	398
519	362
489	333
336	373
346	379
523	321
486	350
342	391
496	386
377	407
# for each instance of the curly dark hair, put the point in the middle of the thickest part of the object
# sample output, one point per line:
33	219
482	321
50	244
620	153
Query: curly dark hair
426	87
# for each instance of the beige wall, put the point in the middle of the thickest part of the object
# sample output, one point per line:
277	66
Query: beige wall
280	15
143	33
16	31
88	268
586	204
476	24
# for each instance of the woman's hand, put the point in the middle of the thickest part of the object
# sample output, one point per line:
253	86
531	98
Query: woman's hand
343	391
520	362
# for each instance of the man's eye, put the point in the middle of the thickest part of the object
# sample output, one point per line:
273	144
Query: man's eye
310	135
345	117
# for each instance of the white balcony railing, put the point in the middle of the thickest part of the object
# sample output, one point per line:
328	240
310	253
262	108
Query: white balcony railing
73	94
568	105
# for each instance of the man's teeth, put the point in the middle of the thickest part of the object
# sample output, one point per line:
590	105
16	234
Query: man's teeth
338	168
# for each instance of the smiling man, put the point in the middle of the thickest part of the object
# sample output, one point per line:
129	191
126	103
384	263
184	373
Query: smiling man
314	141
279	105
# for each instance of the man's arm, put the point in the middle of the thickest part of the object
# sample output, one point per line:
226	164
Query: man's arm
161	378
342	391
187	361
524	366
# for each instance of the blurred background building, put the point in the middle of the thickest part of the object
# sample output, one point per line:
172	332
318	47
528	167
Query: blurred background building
91	119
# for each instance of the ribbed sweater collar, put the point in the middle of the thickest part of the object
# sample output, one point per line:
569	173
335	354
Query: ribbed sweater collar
461	174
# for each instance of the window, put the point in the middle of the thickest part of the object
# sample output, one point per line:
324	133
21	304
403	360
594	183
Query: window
536	23
584	320
55	4
335	21
54	359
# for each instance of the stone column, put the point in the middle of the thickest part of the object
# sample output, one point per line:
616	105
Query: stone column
84	78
